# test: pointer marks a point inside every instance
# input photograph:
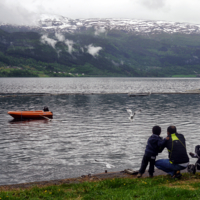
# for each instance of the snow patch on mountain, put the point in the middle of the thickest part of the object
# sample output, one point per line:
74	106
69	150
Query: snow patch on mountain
55	23
64	24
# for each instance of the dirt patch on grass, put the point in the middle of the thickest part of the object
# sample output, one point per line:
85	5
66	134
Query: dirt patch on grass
183	184
185	187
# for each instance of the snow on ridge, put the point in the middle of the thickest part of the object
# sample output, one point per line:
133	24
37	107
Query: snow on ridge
48	22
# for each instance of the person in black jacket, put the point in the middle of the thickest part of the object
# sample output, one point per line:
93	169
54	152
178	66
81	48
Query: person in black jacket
155	144
178	157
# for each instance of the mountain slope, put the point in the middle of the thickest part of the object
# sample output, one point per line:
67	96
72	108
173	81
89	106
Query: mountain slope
100	48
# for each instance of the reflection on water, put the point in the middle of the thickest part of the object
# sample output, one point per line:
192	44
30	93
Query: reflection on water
85	128
27	121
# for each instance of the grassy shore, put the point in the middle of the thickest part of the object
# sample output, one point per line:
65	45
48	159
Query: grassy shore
160	187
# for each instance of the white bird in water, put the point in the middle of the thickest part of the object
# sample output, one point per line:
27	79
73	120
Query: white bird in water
107	164
132	115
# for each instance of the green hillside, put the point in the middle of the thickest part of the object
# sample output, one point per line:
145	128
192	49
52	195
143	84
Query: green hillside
115	53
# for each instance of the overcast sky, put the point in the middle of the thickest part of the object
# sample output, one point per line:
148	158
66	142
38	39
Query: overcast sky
24	11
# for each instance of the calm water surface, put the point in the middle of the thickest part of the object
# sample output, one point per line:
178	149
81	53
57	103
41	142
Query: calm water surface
86	128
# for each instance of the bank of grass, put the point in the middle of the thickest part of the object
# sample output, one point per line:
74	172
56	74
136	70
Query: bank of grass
161	187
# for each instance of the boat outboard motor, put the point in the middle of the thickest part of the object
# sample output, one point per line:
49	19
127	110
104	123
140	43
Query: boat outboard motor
46	109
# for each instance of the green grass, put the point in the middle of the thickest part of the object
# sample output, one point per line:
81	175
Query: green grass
183	76
161	187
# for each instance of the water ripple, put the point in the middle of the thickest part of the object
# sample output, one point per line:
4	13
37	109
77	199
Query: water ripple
89	127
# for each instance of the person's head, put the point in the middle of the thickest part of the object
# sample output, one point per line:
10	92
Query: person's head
171	130
156	130
46	108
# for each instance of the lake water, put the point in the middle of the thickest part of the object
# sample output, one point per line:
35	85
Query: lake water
86	128
96	85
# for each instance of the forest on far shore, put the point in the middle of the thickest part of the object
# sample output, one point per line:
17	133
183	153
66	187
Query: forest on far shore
116	54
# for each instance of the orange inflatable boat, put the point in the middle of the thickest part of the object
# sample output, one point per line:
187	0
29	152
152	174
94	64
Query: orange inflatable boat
38	114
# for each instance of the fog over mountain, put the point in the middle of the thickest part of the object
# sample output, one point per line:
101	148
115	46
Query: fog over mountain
17	14
26	11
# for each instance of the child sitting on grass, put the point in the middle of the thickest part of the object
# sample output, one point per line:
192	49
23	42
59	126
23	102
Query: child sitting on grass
155	145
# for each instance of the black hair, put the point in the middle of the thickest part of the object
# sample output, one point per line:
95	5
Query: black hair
156	130
171	129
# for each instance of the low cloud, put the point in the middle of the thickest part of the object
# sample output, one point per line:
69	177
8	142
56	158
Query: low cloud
153	4
23	11
16	14
82	49
100	30
114	63
58	52
70	44
94	51
60	37
46	40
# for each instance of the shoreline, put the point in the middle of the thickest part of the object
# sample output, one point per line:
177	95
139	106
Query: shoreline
83	178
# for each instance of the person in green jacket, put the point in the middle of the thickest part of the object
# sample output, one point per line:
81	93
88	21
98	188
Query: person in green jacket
178	157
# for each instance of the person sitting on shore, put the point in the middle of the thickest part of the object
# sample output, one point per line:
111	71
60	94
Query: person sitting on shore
154	145
178	157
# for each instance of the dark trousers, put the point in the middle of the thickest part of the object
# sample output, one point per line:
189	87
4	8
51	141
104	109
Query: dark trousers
147	159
